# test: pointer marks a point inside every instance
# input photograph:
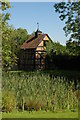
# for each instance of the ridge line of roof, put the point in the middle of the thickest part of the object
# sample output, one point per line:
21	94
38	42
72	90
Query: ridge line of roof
30	42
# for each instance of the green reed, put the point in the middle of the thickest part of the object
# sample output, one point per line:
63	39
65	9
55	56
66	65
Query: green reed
36	91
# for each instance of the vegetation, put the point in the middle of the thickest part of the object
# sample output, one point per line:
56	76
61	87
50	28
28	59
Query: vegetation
19	91
7	53
44	91
12	38
41	114
56	48
70	13
18	37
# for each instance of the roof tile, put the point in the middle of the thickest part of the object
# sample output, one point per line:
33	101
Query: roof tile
32	42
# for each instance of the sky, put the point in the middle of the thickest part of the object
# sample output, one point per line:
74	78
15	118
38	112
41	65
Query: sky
26	15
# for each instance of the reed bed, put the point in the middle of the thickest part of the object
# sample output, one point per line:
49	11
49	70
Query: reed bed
36	91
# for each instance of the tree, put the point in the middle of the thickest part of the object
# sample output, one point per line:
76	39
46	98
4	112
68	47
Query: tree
59	49
70	12
18	36
73	48
56	48
12	39
49	47
8	57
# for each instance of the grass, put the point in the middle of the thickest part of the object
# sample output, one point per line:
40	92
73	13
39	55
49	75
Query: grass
52	91
20	89
70	74
41	114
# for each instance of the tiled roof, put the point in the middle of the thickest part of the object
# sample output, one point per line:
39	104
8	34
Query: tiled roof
32	42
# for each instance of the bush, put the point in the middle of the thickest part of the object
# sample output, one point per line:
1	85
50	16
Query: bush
65	62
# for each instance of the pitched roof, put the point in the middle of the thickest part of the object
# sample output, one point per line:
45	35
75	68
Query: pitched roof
33	41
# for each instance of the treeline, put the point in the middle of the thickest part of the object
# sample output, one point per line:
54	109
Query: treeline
63	57
57	55
65	62
12	39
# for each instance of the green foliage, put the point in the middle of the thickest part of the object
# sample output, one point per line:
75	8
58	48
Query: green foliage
40	92
5	5
18	36
8	56
42	114
8	101
70	13
56	48
73	48
53	49
59	49
12	39
49	47
5	16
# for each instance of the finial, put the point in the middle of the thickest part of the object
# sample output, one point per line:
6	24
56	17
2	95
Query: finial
38	25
